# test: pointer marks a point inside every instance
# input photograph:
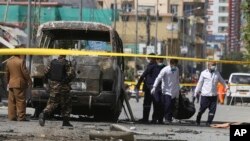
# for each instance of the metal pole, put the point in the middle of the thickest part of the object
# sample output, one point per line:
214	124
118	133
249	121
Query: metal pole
156	26
29	57
29	24
80	18
136	36
115	9
183	45
6	11
172	31
148	27
136	28
205	34
80	10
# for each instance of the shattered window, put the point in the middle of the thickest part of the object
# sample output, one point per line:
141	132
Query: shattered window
82	45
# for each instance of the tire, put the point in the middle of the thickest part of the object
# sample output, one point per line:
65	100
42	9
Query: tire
229	100
107	114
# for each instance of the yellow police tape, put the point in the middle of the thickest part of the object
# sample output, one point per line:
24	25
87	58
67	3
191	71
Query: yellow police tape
45	51
182	84
186	84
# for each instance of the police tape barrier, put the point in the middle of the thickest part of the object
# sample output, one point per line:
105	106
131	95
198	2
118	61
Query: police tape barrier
182	84
186	84
46	51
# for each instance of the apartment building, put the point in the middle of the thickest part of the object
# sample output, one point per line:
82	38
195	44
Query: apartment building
217	27
234	34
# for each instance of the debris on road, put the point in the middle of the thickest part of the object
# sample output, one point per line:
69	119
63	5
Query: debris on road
111	135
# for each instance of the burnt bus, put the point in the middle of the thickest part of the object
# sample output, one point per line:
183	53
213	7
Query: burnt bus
98	89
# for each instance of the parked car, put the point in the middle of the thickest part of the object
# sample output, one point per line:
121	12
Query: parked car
98	89
239	88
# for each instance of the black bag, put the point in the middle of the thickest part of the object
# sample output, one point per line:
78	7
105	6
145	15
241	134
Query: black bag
58	70
183	108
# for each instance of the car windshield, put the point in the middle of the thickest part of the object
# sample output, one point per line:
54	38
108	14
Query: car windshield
241	79
84	45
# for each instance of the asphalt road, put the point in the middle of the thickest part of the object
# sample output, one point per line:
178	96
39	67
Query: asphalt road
184	130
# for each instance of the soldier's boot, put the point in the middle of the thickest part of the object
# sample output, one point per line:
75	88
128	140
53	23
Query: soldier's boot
42	117
66	122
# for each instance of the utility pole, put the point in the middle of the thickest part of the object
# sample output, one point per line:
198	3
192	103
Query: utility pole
29	24
172	29
6	11
136	36
205	33
115	9
80	10
156	26
136	28
80	18
148	27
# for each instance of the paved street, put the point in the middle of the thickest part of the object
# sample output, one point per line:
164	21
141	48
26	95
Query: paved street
224	113
186	130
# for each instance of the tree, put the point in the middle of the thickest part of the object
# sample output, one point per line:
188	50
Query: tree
246	27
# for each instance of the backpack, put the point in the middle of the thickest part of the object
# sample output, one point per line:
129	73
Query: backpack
183	108
58	70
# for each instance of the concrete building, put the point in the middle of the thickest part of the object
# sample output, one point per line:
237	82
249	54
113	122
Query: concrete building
168	27
217	27
234	34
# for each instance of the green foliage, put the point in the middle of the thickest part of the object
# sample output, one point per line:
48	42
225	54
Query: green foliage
227	69
245	6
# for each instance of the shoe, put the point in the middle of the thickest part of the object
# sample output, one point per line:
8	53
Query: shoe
160	122
41	119
208	124
197	123
168	122
66	123
143	121
153	122
24	119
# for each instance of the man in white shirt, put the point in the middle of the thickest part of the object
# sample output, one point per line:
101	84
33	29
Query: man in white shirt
169	76
207	87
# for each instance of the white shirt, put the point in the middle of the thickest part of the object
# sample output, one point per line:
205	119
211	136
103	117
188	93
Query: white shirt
170	81
207	83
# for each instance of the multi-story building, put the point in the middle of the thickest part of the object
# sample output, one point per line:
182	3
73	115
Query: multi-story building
217	27
234	26
167	27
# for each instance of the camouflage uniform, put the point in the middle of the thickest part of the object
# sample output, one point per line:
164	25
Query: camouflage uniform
59	93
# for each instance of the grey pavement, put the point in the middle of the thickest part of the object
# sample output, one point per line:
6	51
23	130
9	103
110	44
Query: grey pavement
224	113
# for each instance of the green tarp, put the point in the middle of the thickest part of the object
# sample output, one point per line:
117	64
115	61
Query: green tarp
18	13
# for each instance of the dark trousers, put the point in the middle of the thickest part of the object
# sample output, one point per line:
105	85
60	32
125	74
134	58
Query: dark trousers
158	112
207	102
168	104
148	99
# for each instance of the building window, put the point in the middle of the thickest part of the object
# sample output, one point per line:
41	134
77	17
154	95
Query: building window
173	8
223	19
125	18
223	9
222	29
127	7
143	8
223	1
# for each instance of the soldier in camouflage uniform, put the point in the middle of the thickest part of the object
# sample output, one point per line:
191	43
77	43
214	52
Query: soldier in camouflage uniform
59	93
